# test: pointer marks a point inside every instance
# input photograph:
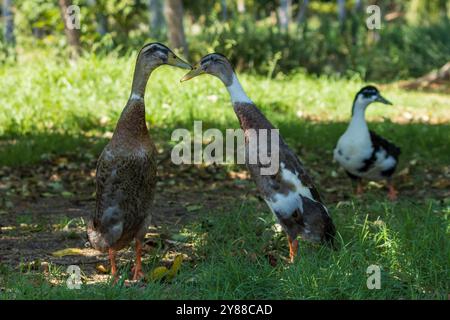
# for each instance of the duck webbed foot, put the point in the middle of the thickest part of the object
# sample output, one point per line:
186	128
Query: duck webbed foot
137	269
293	248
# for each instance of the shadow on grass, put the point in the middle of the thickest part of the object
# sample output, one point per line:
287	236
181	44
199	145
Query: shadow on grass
312	140
238	255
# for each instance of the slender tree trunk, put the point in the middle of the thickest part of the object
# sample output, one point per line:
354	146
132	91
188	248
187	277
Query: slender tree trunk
223	6
341	11
8	17
434	79
443	8
301	16
155	8
70	16
284	13
173	11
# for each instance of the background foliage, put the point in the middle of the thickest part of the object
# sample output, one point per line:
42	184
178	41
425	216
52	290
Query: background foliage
413	40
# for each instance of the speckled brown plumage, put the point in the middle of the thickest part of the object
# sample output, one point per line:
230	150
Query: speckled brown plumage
126	180
126	169
288	191
314	217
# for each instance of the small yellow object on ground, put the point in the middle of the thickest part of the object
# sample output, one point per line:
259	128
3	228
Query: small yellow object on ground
162	272
101	268
68	252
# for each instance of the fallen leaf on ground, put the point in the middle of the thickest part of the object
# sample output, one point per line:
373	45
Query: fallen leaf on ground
66	194
175	267
194	207
158	273
442	184
179	237
67	252
404	172
101	268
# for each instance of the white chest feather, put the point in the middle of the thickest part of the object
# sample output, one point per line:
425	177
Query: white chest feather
354	145
286	204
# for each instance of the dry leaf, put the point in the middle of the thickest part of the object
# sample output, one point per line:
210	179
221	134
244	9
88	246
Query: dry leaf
442	184
158	273
404	172
67	252
175	267
101	268
193	207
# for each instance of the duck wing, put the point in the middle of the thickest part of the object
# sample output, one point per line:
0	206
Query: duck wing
380	142
315	214
125	188
294	199
294	164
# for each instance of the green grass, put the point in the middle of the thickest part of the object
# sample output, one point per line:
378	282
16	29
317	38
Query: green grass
55	108
408	241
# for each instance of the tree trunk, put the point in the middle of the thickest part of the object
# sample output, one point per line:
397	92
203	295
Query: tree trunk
8	17
223	6
284	13
301	16
173	10
443	9
433	80
70	16
155	8
341	11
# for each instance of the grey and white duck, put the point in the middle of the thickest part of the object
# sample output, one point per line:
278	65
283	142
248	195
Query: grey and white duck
289	192
126	169
361	152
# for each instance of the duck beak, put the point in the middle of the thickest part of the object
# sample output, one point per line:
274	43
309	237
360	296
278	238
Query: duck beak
196	71
381	99
173	60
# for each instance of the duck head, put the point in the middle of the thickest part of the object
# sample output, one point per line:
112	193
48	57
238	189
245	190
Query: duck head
366	96
214	64
150	57
156	54
218	65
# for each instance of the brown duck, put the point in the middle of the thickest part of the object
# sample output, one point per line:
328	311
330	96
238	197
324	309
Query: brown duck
126	169
289	191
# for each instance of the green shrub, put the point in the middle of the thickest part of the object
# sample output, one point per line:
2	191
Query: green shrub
401	51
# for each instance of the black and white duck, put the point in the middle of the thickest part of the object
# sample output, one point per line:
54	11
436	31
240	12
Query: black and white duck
361	152
290	192
126	169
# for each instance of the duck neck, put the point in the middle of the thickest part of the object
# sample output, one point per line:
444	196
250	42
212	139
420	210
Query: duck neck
237	93
140	78
132	120
250	117
358	122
